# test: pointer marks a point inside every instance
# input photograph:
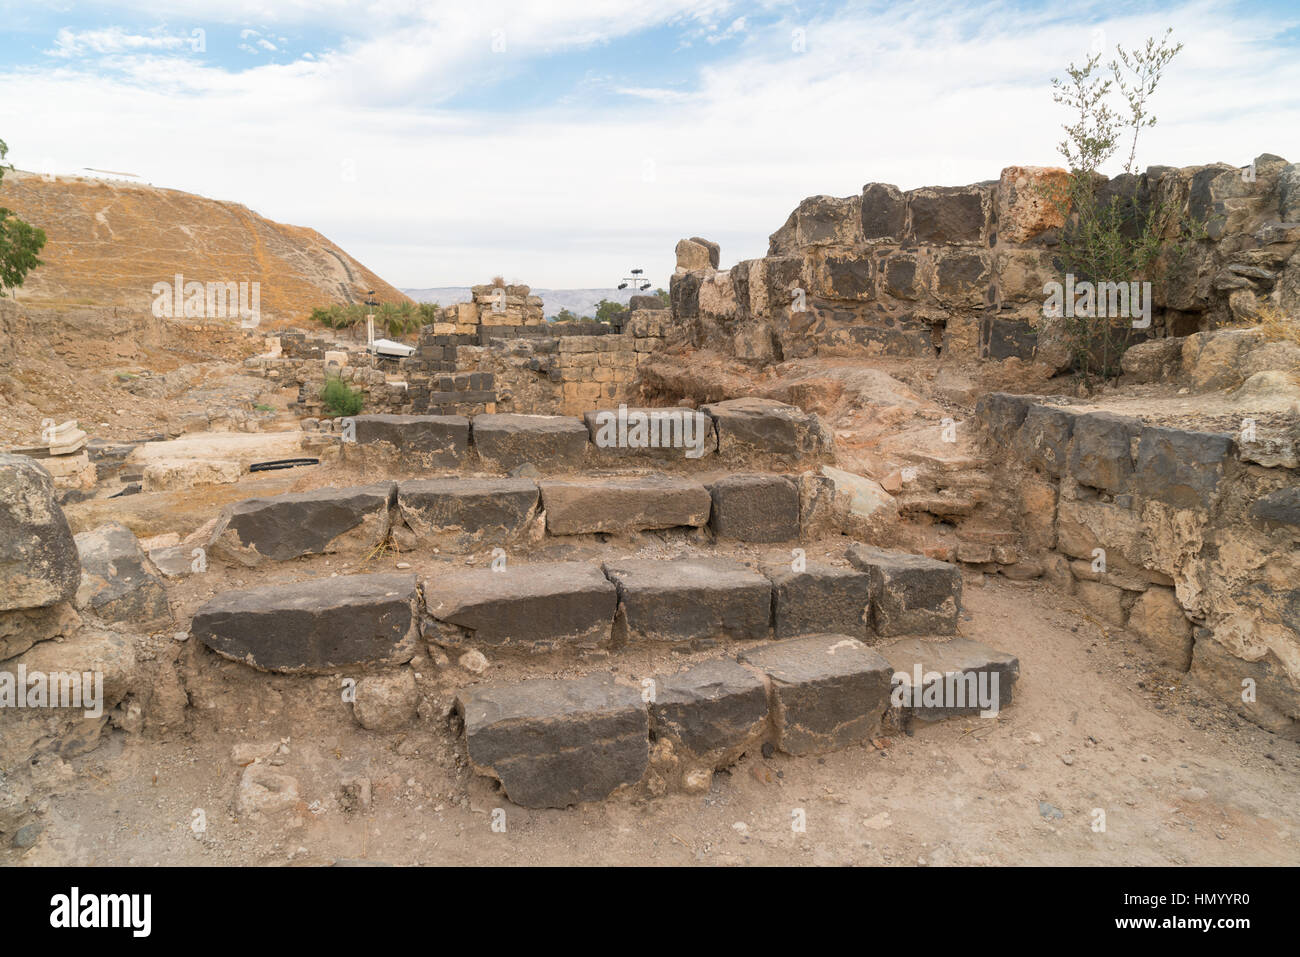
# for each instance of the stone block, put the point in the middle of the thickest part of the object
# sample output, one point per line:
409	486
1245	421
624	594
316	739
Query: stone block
690	600
550	442
314	627
623	505
529	608
826	692
910	594
553	743
318	522
755	508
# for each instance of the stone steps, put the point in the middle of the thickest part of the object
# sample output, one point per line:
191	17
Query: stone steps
546	607
738	432
462	513
554	743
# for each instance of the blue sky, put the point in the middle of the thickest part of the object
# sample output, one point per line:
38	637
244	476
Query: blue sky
562	143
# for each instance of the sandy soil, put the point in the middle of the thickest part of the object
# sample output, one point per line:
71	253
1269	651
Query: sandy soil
1180	779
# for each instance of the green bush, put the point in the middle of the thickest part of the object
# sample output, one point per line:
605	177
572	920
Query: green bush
340	399
1112	239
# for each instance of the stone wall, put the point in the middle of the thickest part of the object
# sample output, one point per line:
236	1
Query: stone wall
480	361
569	373
961	269
1182	536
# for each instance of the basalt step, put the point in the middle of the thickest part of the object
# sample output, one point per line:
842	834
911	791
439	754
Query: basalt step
543	607
463	512
554	743
735	431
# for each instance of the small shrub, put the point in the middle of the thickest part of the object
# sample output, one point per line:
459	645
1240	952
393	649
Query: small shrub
340	399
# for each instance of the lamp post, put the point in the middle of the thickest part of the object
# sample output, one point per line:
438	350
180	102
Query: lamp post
637	279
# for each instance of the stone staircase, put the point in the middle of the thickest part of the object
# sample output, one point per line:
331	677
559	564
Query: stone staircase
798	655
643	621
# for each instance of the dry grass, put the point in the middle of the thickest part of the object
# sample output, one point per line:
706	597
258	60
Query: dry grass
1277	325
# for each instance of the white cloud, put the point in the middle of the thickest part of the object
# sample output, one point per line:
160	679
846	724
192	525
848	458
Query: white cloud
70	43
557	196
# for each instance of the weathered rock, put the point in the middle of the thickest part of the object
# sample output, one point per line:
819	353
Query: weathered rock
821	599
20	628
692	256
715	255
1288	185
1044	438
1272	703
263	791
884	212
755	508
826	691
1100	453
820	504
711	713
948	214
1025	201
319	522
910	595
1279	508
118	583
550	442
428	441
1001	415
386	702
691	599
1159	619
314	627
819	221
178	561
96	670
1107	601
532	608
556	743
763	427
464	511
170	474
945	679
38	556
1180	468
623	505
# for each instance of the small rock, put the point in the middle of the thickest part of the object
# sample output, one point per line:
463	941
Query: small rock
26	835
246	753
386	702
474	661
1067	759
1047	811
263	791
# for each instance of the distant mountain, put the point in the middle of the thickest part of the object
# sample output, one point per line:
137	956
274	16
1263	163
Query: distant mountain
581	302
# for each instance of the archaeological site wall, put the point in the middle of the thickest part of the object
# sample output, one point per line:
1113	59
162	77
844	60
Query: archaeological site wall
961	269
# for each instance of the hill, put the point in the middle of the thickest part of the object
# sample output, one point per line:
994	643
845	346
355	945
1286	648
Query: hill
109	242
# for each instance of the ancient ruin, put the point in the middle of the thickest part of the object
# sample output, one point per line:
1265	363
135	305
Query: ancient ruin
631	562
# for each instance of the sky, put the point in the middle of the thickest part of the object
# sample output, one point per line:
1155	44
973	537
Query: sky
563	143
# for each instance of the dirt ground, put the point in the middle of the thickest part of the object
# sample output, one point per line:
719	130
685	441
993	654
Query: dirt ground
1180	779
